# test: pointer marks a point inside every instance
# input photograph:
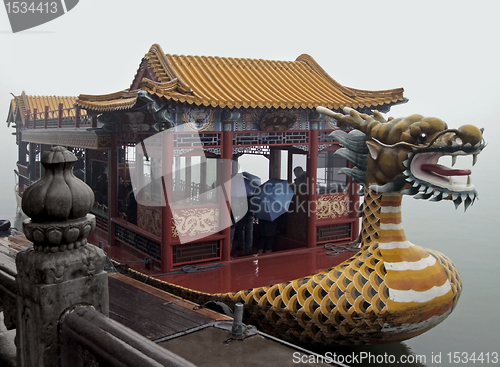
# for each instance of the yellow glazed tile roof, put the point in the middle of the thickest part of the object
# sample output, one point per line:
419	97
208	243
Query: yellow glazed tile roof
108	102
39	102
26	102
234	83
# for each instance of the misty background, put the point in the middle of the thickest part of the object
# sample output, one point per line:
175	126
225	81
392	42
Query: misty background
444	54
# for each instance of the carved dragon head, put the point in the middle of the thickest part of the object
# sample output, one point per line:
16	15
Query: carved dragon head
402	154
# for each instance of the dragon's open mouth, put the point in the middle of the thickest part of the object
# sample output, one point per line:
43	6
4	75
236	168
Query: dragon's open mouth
435	181
445	171
425	168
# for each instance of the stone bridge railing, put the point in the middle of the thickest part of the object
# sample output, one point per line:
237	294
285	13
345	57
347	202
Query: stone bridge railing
56	295
8	291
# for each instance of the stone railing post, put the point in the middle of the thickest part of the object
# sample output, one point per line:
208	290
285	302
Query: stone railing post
61	270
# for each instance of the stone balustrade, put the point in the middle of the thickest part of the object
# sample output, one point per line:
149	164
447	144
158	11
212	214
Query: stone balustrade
56	296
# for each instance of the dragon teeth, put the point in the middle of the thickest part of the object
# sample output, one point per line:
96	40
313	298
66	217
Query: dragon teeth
438	196
468	202
474	159
453	160
469	181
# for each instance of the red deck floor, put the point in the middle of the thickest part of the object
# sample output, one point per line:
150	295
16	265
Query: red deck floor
241	273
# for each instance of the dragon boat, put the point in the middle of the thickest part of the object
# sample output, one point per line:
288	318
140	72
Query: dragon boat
391	289
154	151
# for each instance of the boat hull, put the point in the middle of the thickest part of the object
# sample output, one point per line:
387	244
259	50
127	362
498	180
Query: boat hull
317	311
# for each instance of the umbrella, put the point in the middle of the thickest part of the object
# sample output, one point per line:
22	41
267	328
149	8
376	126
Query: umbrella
247	186
252	183
271	199
242	189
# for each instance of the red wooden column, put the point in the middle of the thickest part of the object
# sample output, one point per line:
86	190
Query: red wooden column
312	172
77	116
46	116
187	189
203	176
112	188
32	163
275	164
167	250
60	115
225	217
290	167
28	115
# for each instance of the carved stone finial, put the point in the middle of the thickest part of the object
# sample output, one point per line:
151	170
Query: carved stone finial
61	270
58	205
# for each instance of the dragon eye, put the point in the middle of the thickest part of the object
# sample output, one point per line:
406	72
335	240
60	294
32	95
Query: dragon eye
421	138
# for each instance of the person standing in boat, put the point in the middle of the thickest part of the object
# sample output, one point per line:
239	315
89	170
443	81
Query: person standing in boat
101	190
300	175
300	182
244	231
131	210
267	234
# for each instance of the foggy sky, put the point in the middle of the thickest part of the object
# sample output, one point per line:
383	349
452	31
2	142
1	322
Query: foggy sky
444	54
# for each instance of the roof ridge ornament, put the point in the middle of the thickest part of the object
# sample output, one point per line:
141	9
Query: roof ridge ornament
166	66
309	60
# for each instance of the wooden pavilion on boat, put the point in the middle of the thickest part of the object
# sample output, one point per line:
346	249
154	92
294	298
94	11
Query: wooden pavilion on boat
213	108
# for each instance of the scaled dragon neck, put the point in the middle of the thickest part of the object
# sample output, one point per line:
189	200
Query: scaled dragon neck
381	220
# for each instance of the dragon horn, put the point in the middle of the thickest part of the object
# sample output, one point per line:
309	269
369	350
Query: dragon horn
328	112
354	119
